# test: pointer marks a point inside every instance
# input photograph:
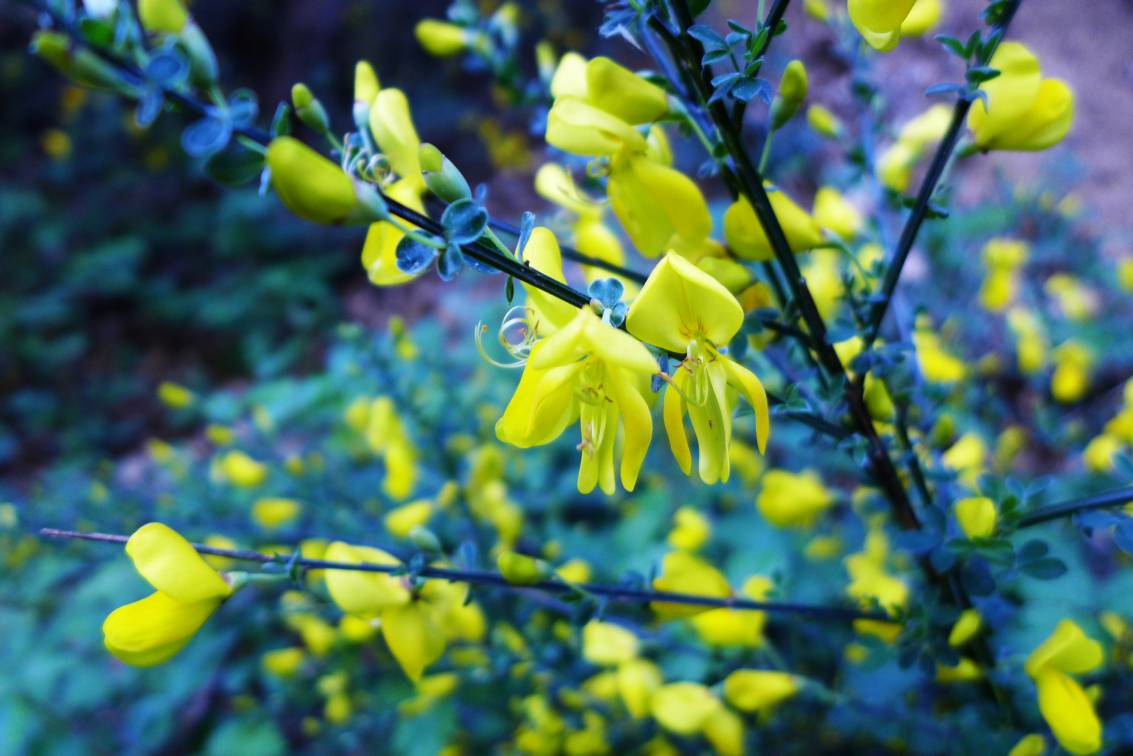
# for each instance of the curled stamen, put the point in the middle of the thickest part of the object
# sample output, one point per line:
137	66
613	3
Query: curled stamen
515	321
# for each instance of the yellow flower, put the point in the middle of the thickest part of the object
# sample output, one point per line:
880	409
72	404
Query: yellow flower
241	470
363	593
792	91
967	457
366	85
725	731
392	127
545	313
622	93
936	363
793	500
1076	301
1030	341
387	438
379	251
589	233
606	644
691	529
521	569
681	572
834	212
976	516
1029	745
923	18
637	680
163	16
590	372
895	164
656	204
823	121
684	310
870	582
746	237
1071	378
317	190
1100	452
153	630
175	395
283	662
400	522
1002	258
819	10
967	625
1069	712
275	512
575	571
440	38
1067	650
879	21
1024	111
683	707
752	690
1125	274
725	627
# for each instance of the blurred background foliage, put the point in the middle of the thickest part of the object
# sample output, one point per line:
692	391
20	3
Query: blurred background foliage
124	267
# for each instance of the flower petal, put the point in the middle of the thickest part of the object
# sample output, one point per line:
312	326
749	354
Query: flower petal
171	565
151	631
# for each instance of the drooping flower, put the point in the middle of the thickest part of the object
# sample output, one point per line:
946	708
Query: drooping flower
153	630
597	104
415	621
589	233
746	237
923	18
591	372
1064	705
684	310
1024	111
880	21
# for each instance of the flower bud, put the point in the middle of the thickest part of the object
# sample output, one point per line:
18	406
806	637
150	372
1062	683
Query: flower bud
520	569
545	60
163	16
309	109
792	92
823	121
78	64
976	516
441	38
442	177
316	189
366	84
425	539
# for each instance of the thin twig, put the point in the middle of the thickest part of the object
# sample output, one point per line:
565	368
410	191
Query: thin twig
1098	501
928	188
483	577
